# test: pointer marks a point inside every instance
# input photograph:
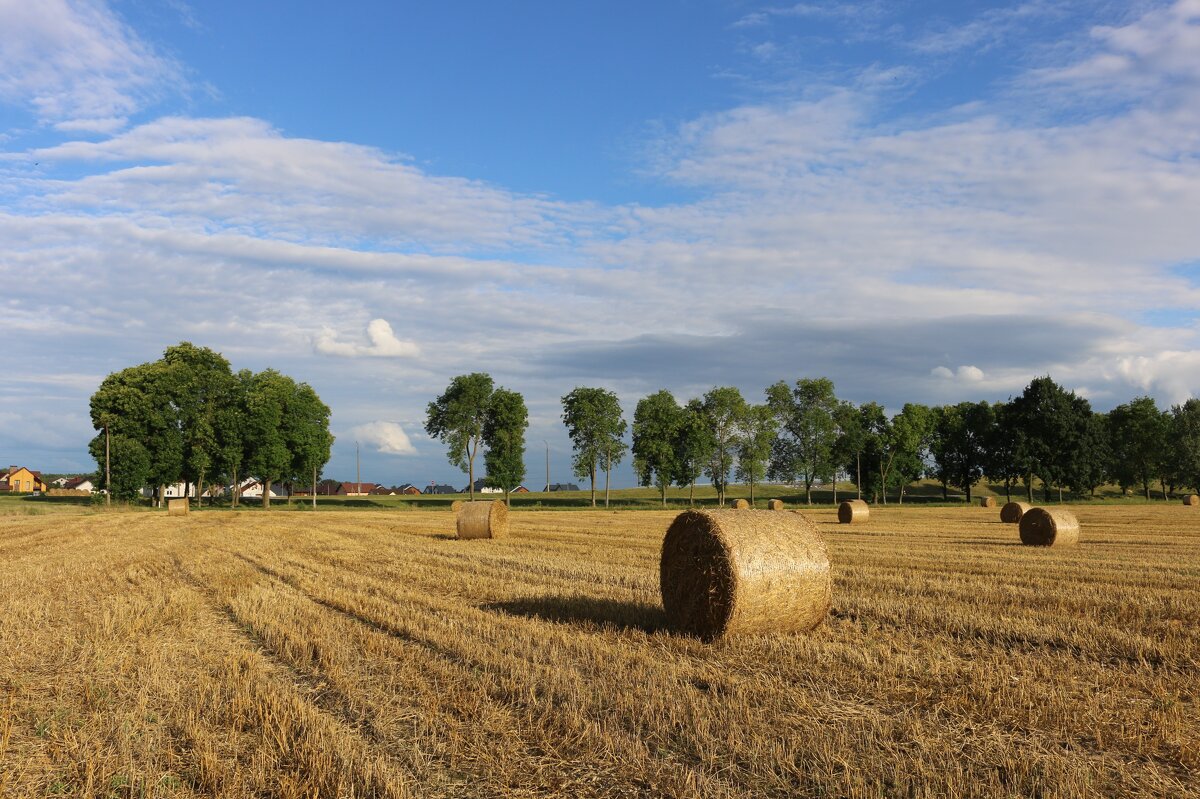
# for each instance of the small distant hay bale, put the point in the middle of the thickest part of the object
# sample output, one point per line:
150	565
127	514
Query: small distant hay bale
483	519
853	511
774	504
1012	512
456	505
726	572
987	502
178	507
740	504
1046	527
1191	499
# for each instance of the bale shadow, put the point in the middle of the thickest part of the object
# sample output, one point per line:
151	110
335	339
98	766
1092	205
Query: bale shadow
585	611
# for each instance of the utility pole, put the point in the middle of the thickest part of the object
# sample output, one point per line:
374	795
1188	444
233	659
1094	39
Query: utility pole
547	443
314	488
107	470
357	471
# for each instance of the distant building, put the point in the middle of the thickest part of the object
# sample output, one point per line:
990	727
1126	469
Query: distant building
20	479
434	488
408	488
79	484
356	489
520	490
481	487
562	487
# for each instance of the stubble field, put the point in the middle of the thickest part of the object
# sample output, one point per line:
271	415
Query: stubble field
371	654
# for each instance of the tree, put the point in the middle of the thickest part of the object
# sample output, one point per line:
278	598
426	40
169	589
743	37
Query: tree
308	437
593	420
1089	465
1137	434
232	433
1004	450
756	432
906	445
268	454
656	424
959	443
456	418
723	408
1050	422
130	466
504	435
1184	452
808	430
849	444
199	384
693	447
871	429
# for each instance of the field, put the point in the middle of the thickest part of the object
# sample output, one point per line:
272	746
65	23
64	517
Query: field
372	654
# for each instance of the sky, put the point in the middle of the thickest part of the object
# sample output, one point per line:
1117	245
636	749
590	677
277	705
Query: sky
924	202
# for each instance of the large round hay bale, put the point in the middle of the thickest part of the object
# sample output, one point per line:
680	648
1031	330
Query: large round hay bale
774	504
987	502
1191	499
178	507
1012	512
726	572
740	504
456	505
853	511
483	519
1046	527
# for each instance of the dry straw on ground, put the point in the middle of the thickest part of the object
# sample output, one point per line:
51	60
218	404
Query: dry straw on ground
178	507
1049	527
483	519
987	502
775	504
1191	499
853	511
725	573
740	504
1012	512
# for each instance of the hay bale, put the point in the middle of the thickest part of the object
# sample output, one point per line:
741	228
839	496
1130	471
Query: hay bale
483	519
987	502
178	507
726	572
774	504
456	505
740	504
1012	512
1046	527
1191	499
853	511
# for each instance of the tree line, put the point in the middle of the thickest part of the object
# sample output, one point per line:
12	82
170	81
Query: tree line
803	434
188	418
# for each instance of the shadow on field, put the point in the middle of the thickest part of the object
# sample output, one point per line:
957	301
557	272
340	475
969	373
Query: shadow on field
586	612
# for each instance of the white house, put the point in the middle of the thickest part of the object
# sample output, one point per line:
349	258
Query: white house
252	488
80	484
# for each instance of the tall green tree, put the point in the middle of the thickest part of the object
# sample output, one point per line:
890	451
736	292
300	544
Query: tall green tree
199	383
1089	465
693	447
268	451
504	436
1184	452
594	423
1051	422
807	430
959	443
1004	458
232	434
1137	433
130	467
849	444
906	446
657	420
456	418
135	404
872	428
308	437
756	432
723	408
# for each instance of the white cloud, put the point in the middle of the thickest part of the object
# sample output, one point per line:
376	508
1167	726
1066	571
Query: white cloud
964	374
387	437
383	343
76	64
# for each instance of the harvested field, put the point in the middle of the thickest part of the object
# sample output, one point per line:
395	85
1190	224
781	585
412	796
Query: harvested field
373	654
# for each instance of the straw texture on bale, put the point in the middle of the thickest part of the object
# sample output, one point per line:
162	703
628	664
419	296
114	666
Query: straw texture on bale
1046	527
726	572
987	502
1191	499
483	519
1012	512
456	505
740	504
178	507
853	511
775	504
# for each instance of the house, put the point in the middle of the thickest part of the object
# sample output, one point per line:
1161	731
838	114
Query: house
20	479
61	482
408	488
382	491
481	487
252	488
355	489
562	487
79	484
520	490
434	488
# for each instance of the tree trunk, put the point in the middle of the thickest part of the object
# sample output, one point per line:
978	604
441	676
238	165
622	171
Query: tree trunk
968	493
901	497
199	490
807	490
1060	495
752	491
692	493
662	492
1029	487
593	474
882	482
858	462
314	489
1008	489
607	477
835	474
107	468
266	493
235	489
471	471
1146	486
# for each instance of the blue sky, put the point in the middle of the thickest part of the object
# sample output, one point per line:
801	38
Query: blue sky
924	202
